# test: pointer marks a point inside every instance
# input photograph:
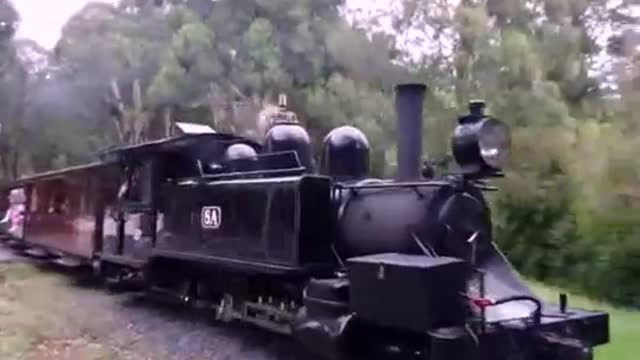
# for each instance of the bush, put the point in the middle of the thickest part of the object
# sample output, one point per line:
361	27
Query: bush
535	235
568	210
598	255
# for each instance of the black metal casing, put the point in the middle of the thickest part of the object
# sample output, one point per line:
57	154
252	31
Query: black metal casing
345	154
408	292
403	219
409	104
465	142
276	225
286	136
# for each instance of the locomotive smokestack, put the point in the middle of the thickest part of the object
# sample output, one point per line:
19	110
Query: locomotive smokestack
409	103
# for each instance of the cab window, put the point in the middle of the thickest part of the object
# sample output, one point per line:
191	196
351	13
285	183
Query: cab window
136	187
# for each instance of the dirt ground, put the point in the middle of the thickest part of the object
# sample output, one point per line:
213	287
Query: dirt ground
47	314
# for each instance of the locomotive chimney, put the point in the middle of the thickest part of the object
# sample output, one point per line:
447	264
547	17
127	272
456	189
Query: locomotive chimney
409	103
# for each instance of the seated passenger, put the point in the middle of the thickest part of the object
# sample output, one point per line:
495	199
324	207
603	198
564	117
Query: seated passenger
14	216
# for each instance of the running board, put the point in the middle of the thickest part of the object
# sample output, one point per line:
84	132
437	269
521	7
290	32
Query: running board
38	253
68	262
123	260
16	244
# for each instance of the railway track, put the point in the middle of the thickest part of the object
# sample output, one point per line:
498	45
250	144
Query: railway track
77	320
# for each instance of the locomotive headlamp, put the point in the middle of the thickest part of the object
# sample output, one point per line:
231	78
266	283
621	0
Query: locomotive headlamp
481	144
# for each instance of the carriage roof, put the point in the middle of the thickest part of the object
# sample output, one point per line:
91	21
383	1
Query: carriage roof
178	144
55	174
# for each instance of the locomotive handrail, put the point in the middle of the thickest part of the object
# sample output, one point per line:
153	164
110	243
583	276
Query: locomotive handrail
537	314
396	185
414	184
276	154
484	303
289	171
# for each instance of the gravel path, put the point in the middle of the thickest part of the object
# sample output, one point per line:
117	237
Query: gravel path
137	328
185	335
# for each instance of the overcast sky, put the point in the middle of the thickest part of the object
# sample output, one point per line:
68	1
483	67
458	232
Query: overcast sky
42	20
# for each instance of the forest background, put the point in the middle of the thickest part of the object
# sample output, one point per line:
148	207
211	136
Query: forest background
564	74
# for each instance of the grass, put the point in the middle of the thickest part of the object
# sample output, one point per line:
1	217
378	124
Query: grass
14	345
624	324
39	320
19	332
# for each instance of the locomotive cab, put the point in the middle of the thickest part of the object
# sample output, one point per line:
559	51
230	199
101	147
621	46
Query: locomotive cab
149	173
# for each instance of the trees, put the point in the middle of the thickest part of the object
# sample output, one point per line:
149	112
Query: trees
112	54
13	82
299	47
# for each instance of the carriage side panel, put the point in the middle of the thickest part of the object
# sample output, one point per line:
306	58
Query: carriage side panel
64	212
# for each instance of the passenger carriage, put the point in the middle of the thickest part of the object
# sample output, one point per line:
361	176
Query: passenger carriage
64	211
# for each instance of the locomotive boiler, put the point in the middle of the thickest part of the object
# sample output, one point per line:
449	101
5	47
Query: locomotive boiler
348	265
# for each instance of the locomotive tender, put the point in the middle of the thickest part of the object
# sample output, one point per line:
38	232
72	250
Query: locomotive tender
346	264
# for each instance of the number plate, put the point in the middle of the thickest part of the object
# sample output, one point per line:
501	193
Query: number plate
211	217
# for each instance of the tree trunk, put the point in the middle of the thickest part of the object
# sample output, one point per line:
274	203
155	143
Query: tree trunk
14	164
117	119
212	104
4	165
138	120
168	123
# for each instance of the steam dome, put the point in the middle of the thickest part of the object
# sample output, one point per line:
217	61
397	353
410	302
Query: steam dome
290	136
240	157
346	154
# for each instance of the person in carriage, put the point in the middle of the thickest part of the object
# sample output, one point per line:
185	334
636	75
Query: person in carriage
13	220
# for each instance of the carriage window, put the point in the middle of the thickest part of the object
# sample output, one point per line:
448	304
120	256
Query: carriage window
41	195
40	199
85	200
35	201
176	166
59	204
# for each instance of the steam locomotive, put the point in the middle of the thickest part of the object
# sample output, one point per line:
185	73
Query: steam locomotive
348	265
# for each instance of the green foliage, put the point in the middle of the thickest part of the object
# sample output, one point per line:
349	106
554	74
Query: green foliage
569	215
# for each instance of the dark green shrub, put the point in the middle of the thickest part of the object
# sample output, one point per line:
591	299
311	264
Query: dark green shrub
543	240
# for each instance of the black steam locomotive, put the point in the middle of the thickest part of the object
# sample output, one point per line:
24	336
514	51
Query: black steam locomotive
351	266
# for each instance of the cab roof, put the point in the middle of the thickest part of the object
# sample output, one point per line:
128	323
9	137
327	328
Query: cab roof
177	144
